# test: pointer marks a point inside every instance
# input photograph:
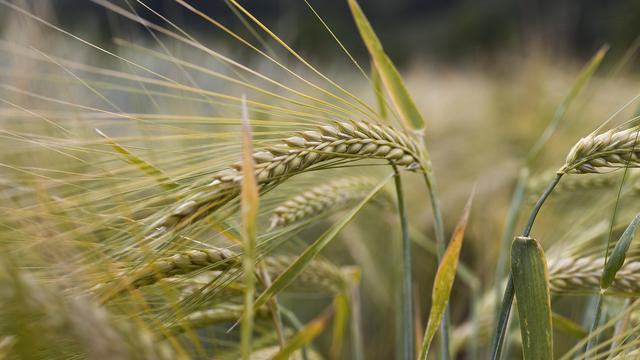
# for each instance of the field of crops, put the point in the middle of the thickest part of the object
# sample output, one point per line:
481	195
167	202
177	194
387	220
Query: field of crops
167	195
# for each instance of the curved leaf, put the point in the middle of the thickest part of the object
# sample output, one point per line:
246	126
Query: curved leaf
443	281
530	280
402	101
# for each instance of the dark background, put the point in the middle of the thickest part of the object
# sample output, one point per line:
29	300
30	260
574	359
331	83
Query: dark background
454	30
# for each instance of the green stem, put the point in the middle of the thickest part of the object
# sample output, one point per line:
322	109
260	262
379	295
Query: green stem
356	332
408	344
440	246
509	292
593	340
507	236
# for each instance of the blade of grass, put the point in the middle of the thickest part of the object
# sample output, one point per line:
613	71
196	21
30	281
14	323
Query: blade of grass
249	212
378	91
568	326
619	254
530	280
443	281
341	304
580	82
402	101
290	274
163	180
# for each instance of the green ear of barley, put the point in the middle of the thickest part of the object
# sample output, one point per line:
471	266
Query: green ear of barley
343	140
318	275
582	276
221	313
612	149
318	200
179	264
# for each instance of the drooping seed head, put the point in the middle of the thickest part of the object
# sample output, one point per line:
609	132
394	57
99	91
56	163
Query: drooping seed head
612	149
348	140
317	200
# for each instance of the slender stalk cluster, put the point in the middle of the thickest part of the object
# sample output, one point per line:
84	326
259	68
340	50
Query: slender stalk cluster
582	275
75	317
343	140
320	199
612	149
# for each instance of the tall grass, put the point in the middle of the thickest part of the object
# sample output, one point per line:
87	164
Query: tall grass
166	197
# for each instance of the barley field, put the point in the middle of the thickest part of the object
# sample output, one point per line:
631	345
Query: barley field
245	180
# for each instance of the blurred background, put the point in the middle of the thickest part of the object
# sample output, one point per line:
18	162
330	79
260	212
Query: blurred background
487	75
450	31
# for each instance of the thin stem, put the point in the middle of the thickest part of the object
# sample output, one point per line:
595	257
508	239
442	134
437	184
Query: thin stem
593	340
356	332
265	278
509	292
440	247
507	236
408	343
538	205
503	319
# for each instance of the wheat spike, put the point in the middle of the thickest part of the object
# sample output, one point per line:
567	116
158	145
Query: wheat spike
219	314
319	199
179	264
354	140
612	149
319	275
582	275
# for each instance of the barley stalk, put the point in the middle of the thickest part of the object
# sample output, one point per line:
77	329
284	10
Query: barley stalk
612	149
179	264
342	140
320	199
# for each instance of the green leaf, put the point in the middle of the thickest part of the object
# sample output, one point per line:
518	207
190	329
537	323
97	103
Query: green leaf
144	166
402	101
249	202
378	91
619	254
530	280
298	266
568	326
578	85
303	337
443	281
341	304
